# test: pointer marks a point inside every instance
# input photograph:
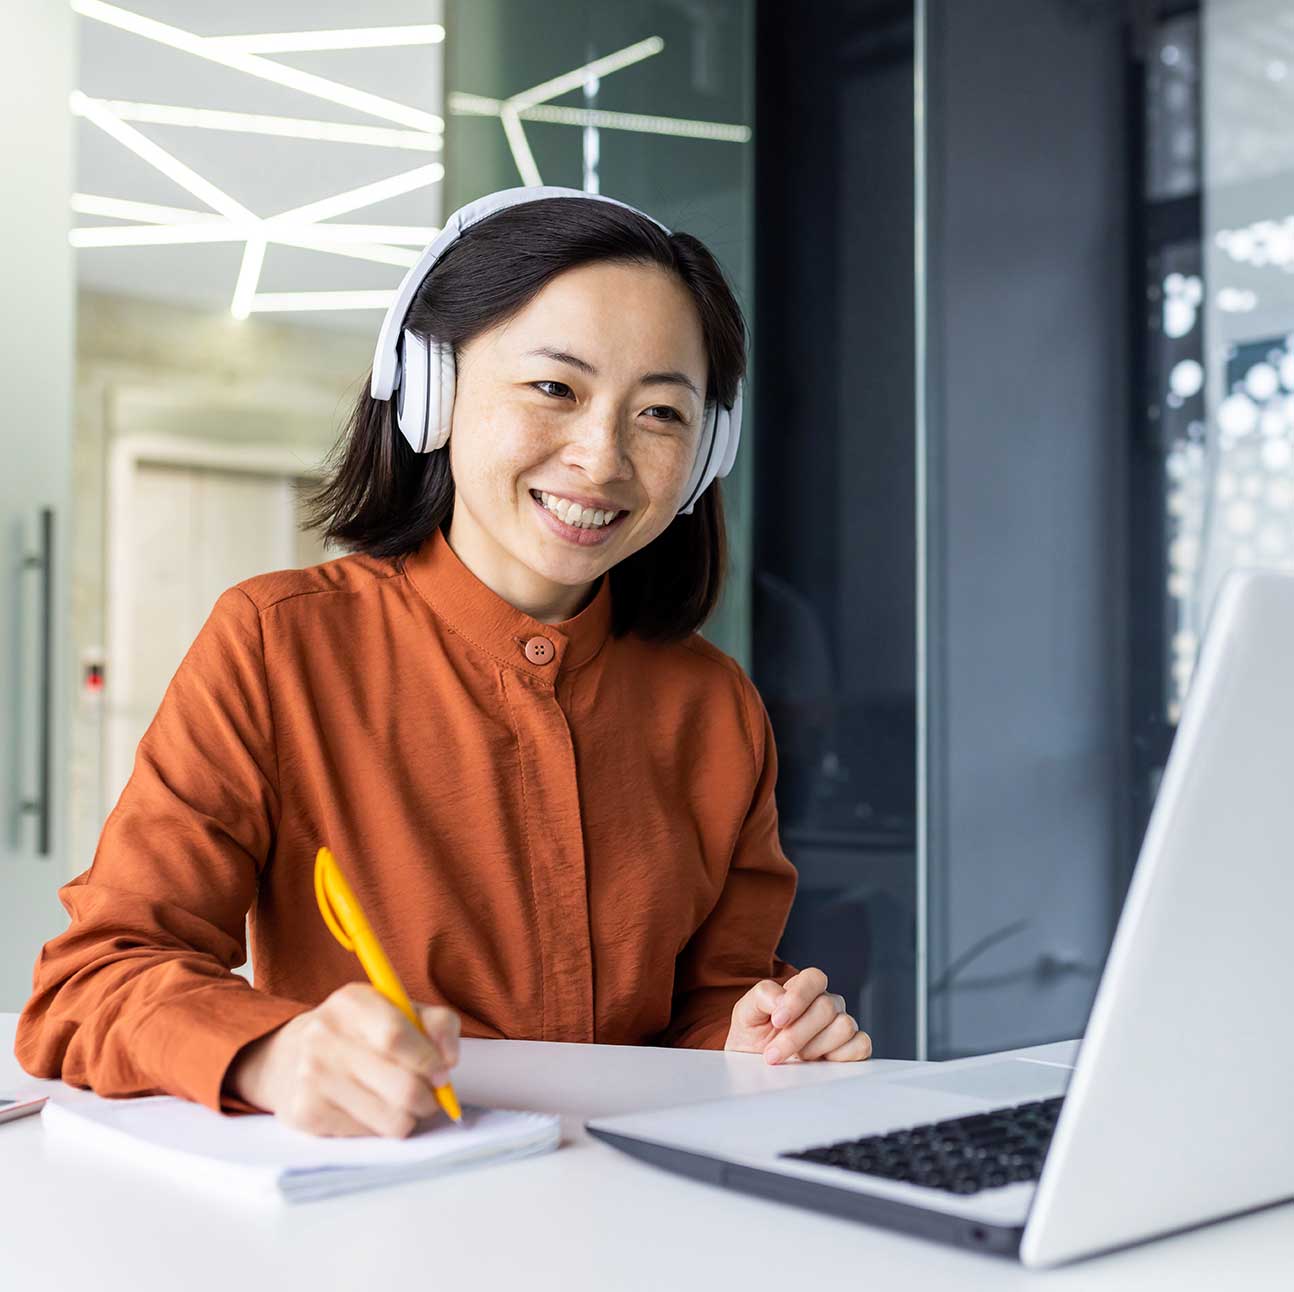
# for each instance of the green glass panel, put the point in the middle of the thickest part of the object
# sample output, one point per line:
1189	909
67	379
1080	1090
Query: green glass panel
676	142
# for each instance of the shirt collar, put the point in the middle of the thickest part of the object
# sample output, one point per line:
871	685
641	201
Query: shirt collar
473	610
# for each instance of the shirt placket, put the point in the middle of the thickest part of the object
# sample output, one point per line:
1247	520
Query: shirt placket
555	838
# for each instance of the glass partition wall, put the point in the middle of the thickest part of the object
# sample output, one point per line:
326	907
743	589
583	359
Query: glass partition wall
927	212
783	138
1021	443
940	520
835	537
1215	425
1230	467
645	100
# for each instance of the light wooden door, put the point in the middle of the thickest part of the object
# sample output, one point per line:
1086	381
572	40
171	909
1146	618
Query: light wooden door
185	533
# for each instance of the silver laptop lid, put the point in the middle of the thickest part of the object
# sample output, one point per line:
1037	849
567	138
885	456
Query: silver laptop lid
1179	1110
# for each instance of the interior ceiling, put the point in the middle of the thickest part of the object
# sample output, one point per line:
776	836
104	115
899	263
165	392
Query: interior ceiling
1248	65
266	174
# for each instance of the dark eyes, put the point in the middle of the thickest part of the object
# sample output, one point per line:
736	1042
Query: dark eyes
564	390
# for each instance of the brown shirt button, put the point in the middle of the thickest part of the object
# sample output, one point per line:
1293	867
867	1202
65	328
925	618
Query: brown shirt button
539	650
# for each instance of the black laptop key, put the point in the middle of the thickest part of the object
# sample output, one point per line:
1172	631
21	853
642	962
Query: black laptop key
961	1155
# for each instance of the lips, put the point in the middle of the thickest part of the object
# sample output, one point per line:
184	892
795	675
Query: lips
537	494
574	533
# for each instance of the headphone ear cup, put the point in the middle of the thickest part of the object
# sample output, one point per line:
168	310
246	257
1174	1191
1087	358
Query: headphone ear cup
731	434
722	424
704	457
411	394
719	451
440	395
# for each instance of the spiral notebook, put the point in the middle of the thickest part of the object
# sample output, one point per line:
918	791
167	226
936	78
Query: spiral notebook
256	1154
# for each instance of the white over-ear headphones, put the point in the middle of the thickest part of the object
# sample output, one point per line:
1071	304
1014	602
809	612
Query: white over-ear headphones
421	372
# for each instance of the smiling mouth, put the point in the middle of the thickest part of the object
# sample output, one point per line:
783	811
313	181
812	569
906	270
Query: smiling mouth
581	529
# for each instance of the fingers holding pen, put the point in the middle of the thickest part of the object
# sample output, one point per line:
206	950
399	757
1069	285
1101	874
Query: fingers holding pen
364	1012
361	1067
387	1098
444	1030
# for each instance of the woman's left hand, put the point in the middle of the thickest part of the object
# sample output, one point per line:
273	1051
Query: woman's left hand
800	1022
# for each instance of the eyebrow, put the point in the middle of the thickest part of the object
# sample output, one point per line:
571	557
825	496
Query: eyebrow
647	379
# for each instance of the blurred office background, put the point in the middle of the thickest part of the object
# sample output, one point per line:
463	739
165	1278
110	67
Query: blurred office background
1018	273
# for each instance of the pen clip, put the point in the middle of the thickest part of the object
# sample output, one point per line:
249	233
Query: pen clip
322	859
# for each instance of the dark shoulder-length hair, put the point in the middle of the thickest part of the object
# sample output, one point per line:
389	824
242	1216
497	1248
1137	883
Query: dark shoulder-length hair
381	498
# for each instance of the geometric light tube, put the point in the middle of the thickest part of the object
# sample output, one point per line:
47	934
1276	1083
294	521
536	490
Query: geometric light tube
478	105
300	226
259	123
296	227
226	52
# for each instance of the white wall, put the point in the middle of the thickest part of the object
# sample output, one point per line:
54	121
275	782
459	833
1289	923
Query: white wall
37	320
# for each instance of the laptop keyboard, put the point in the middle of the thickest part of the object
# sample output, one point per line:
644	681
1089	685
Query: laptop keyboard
962	1155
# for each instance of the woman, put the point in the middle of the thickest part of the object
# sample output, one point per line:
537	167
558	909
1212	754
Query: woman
554	799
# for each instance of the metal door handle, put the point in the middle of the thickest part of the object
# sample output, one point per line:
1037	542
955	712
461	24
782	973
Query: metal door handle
43	561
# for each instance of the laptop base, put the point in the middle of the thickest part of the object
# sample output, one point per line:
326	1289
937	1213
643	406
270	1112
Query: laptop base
848	1204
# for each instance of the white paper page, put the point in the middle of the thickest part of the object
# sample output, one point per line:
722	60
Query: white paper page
261	1140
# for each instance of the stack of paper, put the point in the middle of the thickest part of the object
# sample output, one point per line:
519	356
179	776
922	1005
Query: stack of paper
256	1154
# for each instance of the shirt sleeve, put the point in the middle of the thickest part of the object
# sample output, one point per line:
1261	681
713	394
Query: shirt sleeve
138	995
735	946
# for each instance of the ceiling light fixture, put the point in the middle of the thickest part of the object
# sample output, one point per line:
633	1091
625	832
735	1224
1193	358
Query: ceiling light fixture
510	109
312	237
291	228
202	47
365	195
431	33
256	123
203	189
217	230
299	226
478	105
269	301
248	276
118	208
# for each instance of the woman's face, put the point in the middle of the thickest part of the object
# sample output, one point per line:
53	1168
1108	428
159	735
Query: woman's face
592	394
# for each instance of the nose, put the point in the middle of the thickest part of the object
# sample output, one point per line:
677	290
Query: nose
596	446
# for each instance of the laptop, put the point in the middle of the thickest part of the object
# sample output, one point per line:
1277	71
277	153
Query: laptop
1176	1110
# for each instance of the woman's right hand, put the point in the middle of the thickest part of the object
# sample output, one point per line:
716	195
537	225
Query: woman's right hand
353	1065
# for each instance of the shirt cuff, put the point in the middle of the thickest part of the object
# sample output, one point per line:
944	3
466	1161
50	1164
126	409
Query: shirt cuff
707	1035
703	1018
188	1043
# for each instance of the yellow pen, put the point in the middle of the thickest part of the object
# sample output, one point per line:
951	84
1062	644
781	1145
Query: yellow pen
346	921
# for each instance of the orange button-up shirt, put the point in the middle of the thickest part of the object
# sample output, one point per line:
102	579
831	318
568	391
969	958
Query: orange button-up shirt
560	834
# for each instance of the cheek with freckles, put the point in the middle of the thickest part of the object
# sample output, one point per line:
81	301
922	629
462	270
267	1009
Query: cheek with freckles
664	466
489	459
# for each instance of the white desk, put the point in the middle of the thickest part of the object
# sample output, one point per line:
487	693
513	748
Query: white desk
581	1217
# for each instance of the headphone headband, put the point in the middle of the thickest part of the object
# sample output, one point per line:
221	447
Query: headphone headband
422	372
386	357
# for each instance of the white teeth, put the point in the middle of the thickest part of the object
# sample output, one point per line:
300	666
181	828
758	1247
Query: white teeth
573	514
